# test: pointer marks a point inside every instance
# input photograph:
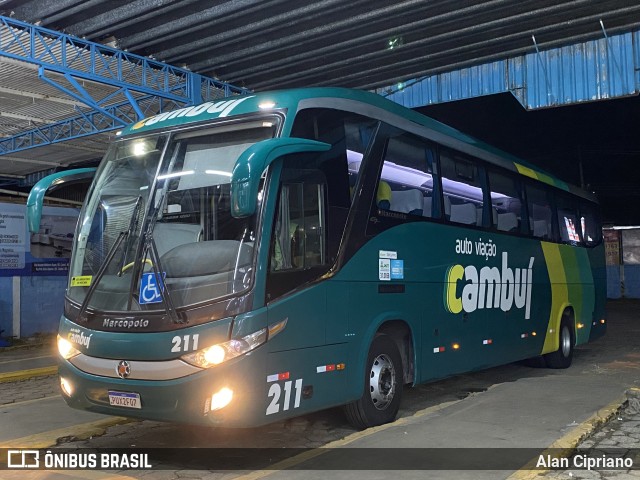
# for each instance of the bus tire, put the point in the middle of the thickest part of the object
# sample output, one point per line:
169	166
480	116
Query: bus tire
382	391
563	357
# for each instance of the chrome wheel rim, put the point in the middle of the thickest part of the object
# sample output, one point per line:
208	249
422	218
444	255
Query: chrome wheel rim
382	381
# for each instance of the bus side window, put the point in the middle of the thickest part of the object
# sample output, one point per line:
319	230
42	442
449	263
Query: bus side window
462	188
349	134
406	184
567	220
590	227
540	212
298	241
506	203
299	231
298	251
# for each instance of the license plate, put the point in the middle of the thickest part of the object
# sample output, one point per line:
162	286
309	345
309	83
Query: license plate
124	399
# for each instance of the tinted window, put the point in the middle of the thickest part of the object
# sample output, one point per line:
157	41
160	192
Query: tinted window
407	178
349	135
568	224
462	189
590	227
506	202
540	212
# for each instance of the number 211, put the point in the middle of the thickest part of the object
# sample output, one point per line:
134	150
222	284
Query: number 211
275	390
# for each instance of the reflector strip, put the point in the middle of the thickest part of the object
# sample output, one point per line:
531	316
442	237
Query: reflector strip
325	368
438	349
277	377
488	341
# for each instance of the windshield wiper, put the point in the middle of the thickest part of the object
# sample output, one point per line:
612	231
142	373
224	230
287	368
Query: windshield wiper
125	234
149	248
94	284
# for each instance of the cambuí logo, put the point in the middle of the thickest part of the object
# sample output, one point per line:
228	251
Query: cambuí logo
79	338
222	108
492	287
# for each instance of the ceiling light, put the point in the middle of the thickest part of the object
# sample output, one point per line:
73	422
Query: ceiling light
394	42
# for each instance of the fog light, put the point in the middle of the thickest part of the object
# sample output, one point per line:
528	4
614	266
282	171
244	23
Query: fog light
66	386
221	399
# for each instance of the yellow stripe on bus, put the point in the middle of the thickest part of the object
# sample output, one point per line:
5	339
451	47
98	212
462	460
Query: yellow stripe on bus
526	171
529	172
559	294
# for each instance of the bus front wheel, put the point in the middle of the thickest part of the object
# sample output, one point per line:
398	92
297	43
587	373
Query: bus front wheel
382	393
563	357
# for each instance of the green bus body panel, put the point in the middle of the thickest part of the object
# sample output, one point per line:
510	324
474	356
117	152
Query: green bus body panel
347	311
469	298
245	179
485	336
37	193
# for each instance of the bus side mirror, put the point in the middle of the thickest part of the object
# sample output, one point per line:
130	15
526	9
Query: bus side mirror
36	195
245	179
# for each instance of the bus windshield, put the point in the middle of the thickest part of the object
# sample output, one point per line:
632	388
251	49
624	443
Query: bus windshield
158	222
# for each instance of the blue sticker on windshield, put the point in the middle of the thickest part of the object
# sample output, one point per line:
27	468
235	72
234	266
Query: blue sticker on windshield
150	288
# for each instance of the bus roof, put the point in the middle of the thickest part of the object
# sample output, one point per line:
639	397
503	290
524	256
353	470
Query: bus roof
290	100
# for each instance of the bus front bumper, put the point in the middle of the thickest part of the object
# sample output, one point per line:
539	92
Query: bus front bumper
195	399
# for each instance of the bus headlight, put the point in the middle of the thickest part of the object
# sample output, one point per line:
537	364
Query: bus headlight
221	352
66	349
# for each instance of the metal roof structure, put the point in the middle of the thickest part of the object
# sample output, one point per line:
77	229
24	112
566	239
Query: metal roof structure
265	44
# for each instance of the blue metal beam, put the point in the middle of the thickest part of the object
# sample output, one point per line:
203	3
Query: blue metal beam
85	124
599	69
164	87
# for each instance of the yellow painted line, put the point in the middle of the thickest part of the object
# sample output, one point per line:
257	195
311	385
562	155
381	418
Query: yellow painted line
316	452
24	374
50	438
566	445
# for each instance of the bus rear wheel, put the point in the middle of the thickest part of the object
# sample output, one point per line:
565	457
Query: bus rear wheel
563	357
382	392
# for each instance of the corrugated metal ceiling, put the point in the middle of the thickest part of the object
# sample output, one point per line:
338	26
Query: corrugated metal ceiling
267	44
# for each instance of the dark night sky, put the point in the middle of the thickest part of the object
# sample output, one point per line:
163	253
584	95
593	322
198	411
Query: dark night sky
604	135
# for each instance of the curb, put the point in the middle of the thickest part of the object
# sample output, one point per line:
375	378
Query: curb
566	445
26	374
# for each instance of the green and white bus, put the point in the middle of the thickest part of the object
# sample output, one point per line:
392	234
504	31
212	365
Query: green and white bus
264	256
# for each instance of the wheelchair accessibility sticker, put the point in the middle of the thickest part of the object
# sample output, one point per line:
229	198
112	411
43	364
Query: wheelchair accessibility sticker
150	288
